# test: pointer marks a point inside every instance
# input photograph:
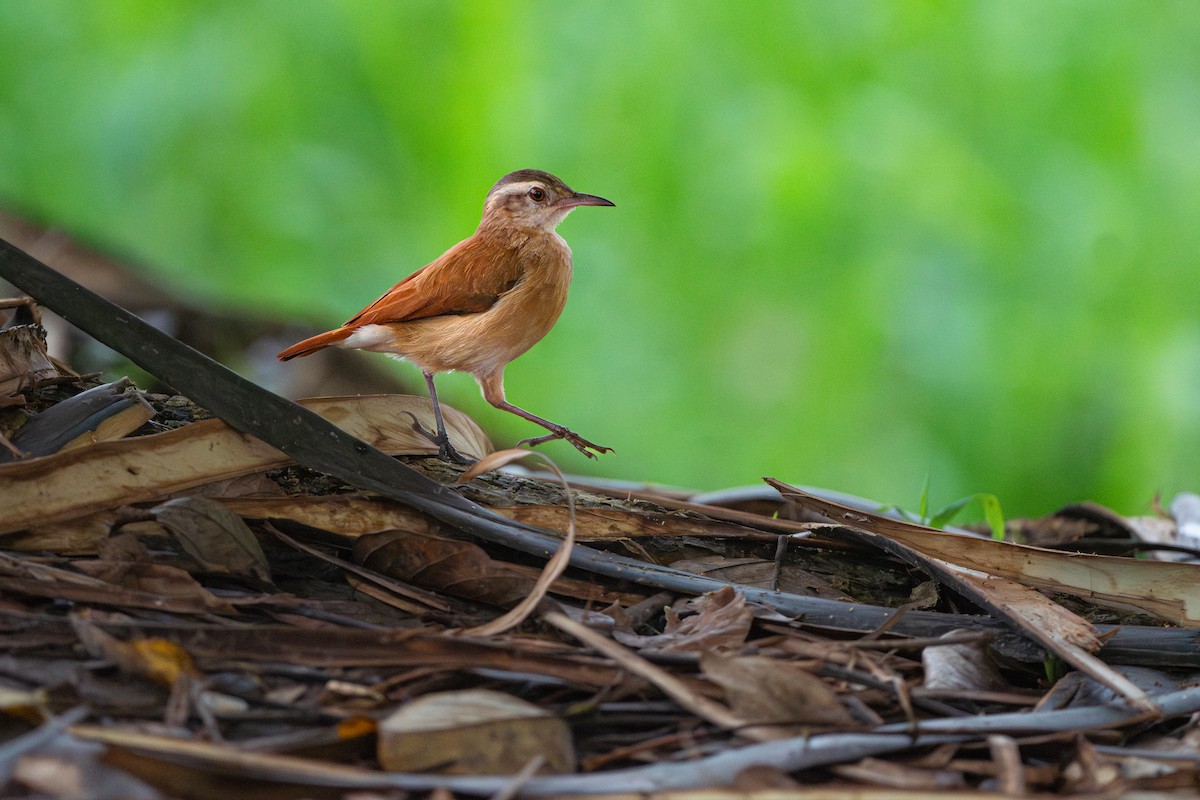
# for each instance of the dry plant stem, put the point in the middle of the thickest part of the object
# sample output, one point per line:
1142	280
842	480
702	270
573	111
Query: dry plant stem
977	696
520	779
1144	752
897	644
671	686
627	752
780	555
747	518
12	448
1009	769
883	684
554	568
890	622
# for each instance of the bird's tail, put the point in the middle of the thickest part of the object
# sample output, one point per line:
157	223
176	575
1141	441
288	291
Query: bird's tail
314	343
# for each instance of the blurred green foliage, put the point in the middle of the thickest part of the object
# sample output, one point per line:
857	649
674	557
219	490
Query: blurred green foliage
855	243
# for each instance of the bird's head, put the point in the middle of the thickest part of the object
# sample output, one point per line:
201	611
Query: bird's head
530	198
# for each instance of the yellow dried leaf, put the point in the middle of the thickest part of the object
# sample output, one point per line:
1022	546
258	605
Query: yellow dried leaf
163	661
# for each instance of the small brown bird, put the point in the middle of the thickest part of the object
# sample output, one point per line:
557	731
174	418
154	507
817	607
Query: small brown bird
484	302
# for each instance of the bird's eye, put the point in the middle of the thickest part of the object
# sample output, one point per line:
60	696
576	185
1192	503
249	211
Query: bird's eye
538	194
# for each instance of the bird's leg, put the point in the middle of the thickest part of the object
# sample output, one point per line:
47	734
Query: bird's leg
556	432
446	451
492	385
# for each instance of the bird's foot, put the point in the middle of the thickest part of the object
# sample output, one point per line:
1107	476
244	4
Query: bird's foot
581	444
446	451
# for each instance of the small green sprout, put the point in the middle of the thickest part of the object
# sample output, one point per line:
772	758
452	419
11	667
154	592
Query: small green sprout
992	513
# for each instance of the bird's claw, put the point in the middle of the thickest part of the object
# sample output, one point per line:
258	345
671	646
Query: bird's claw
446	451
578	442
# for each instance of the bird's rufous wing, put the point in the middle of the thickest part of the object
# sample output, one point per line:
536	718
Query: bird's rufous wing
467	279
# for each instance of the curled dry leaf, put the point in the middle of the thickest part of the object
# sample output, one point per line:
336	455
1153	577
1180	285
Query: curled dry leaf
493	461
23	358
125	546
554	569
781	694
723	620
214	536
923	595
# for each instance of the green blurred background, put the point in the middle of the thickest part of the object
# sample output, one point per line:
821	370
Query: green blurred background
855	243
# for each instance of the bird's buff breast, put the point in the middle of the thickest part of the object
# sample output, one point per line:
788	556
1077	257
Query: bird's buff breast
476	343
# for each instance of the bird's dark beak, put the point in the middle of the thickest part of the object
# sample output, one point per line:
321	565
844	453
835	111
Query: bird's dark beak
580	199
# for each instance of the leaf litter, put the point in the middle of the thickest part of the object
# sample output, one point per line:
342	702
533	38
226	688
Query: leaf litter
186	613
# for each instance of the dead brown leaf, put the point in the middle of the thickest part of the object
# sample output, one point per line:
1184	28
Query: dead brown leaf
776	693
965	666
215	537
456	567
